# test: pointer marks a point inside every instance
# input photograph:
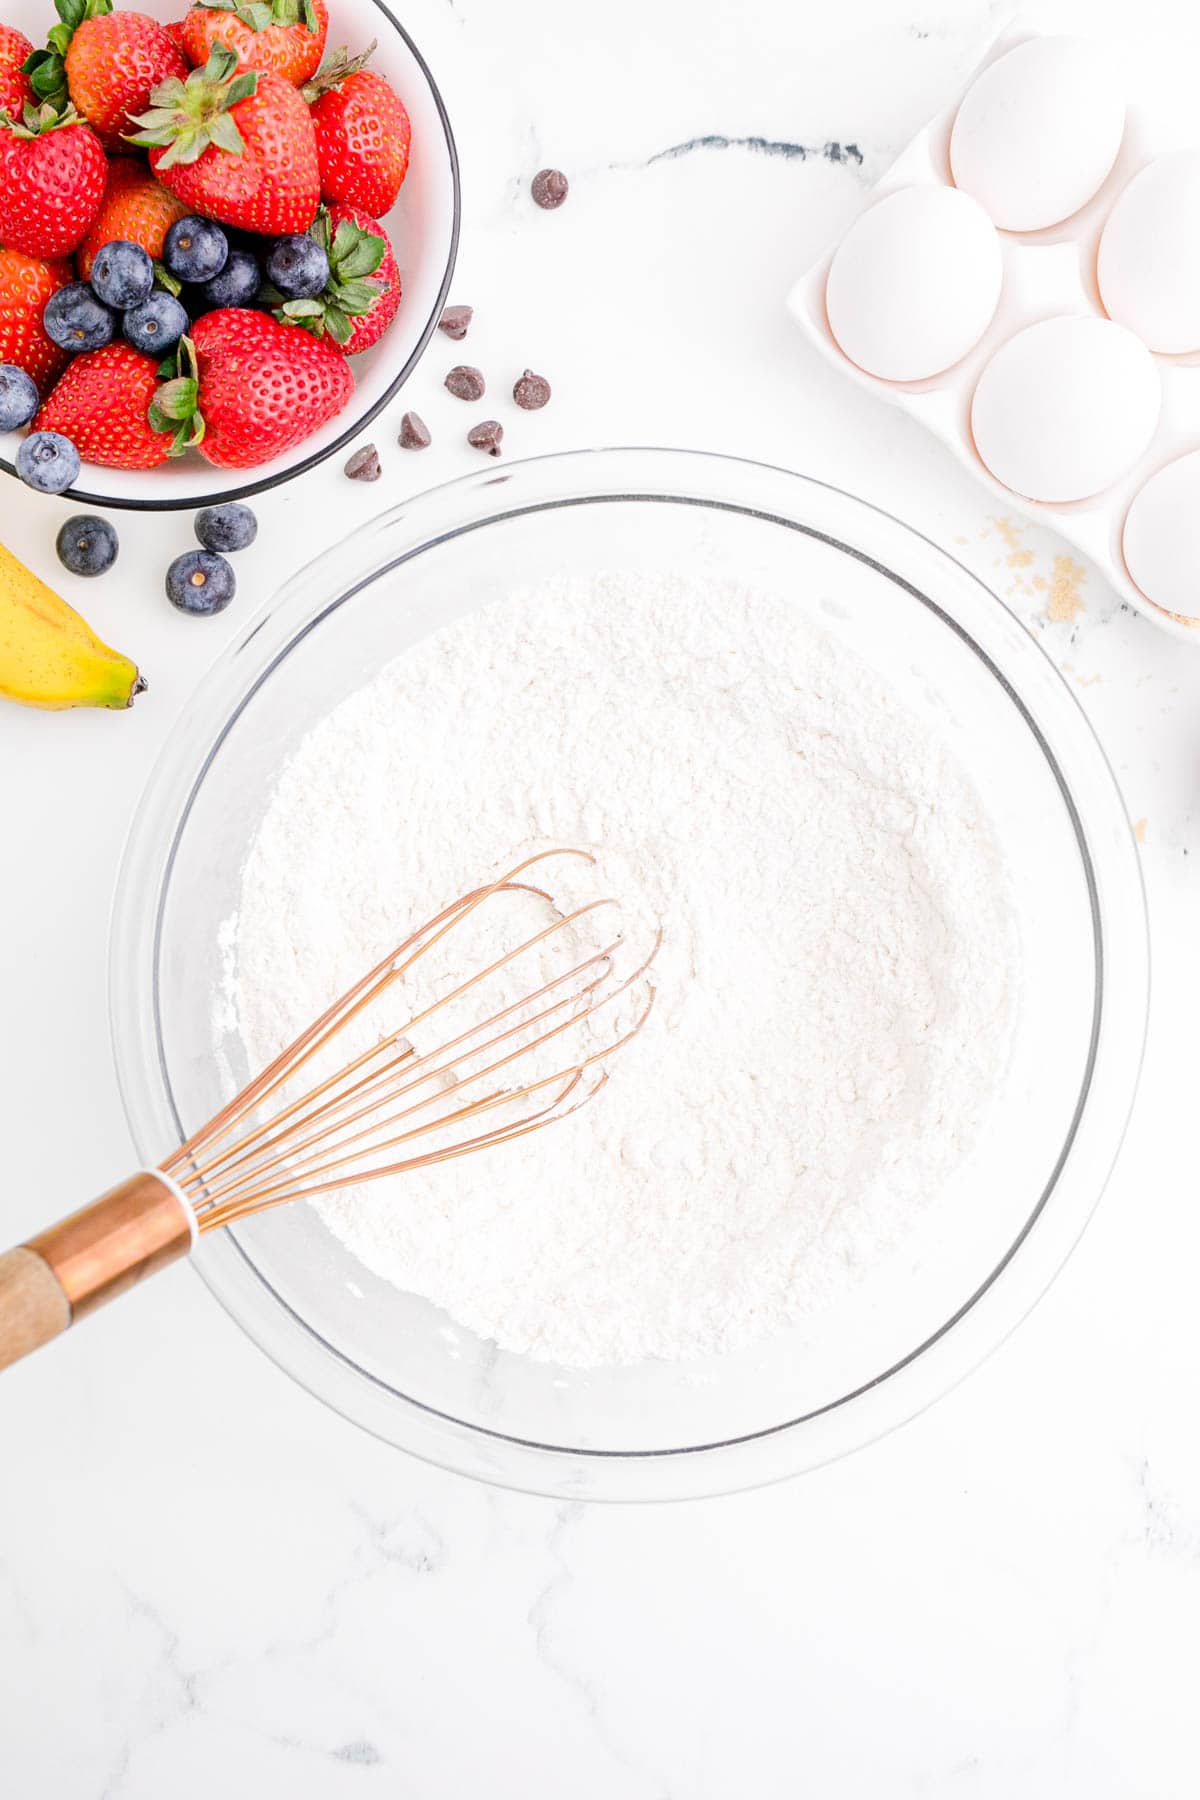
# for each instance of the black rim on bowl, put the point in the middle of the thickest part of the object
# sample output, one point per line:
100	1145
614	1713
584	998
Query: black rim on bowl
264	483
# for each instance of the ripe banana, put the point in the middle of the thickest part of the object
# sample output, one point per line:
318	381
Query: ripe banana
49	656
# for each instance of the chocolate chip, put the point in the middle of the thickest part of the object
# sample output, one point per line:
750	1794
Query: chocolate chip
364	464
414	433
531	392
454	321
549	188
486	436
466	383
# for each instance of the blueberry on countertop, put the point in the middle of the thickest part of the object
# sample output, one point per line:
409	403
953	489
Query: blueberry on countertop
236	284
229	527
156	325
87	545
18	397
195	249
200	582
122	274
75	320
48	461
298	267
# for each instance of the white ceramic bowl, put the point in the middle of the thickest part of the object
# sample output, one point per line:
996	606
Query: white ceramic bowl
423	227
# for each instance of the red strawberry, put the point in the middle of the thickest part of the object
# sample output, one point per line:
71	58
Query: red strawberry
261	387
15	91
26	283
237	147
113	64
363	135
135	207
363	291
102	404
52	173
175	29
104	64
281	37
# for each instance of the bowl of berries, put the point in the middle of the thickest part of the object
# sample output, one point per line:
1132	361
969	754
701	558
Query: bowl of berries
227	232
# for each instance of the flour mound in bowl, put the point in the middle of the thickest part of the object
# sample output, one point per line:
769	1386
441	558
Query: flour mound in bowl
833	990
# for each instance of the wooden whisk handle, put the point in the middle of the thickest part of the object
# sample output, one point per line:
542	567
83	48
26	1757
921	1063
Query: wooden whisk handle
64	1273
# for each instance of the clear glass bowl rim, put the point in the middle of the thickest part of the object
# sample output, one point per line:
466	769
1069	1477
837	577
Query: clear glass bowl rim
1107	847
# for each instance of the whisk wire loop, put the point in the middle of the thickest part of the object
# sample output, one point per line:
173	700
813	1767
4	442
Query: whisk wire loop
271	1144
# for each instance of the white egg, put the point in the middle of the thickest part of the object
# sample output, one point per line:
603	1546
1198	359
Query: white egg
914	283
1065	407
1161	538
1039	130
1148	265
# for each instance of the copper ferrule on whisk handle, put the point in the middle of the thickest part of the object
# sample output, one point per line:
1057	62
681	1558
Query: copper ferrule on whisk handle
67	1271
104	1249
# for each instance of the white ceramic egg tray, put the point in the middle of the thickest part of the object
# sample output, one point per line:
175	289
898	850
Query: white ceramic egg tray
1047	273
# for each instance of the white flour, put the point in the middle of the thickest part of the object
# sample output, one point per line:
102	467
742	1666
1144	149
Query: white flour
833	987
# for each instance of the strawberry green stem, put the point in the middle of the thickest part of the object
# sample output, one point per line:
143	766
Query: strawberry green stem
186	117
176	403
334	70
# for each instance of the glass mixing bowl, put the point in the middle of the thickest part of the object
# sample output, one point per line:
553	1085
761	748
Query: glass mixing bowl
983	1251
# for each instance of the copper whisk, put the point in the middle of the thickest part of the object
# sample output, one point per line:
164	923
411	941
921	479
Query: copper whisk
471	1062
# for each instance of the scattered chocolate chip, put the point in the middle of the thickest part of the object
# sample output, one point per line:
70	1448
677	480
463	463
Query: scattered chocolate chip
414	433
531	392
549	188
486	436
364	464
466	383
454	321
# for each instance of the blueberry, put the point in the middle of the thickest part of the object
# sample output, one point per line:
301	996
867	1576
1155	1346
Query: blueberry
76	320
18	397
230	527
122	274
156	325
48	462
87	545
298	267
195	249
200	582
237	284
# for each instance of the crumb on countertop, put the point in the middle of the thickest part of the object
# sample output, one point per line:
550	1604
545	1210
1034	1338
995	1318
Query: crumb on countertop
1064	602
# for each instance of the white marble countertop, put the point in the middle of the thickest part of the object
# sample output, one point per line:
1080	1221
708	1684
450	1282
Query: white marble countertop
210	1584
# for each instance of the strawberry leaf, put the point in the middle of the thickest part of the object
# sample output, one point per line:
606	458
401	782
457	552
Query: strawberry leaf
186	117
175	407
176	399
334	70
47	74
226	136
355	297
240	89
258	14
338	325
45	68
188	434
363	258
163	278
36	121
344	240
